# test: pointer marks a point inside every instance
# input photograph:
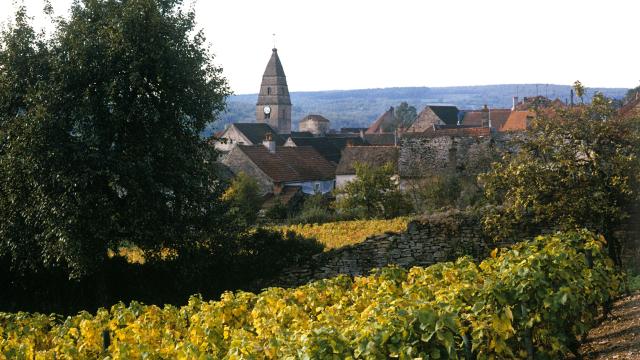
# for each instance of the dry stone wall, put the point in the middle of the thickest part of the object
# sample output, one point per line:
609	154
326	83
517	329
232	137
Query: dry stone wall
432	239
427	240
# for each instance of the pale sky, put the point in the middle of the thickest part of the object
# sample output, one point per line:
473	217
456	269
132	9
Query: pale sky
356	44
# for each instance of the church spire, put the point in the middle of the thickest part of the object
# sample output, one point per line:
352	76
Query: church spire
274	104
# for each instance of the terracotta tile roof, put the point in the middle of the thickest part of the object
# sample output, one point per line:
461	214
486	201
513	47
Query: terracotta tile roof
630	108
385	119
457	131
372	155
302	163
517	121
474	117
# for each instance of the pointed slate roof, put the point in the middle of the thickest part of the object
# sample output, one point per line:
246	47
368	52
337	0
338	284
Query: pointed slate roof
274	89
274	66
448	114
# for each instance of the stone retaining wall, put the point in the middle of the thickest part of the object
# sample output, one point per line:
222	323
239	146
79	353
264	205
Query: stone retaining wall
428	240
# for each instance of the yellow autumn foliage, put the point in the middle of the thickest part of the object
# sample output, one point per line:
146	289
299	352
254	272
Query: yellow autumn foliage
341	233
543	291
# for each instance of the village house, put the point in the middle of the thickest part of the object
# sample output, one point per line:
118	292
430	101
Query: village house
277	167
317	125
245	134
383	123
435	115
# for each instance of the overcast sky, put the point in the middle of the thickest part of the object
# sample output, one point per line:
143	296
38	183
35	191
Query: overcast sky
354	44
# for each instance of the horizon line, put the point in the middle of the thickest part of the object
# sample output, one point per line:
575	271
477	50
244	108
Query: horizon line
441	87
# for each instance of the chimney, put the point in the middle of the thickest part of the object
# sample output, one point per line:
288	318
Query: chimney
515	103
269	143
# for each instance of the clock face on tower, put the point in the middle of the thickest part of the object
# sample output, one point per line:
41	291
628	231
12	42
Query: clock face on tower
267	109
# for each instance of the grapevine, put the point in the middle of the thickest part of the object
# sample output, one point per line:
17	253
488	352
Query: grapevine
533	299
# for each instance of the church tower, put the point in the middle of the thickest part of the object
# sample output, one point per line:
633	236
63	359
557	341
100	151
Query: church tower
274	104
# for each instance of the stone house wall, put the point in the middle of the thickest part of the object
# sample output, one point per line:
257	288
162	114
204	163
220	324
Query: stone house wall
425	120
233	137
316	127
239	162
423	156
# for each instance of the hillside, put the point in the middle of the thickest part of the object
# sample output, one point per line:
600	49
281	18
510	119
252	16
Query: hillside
358	108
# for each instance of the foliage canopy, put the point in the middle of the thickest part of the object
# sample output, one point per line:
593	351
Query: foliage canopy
100	135
374	193
576	168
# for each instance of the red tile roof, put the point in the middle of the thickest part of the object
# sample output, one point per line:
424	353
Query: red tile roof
378	126
517	121
631	107
287	164
474	117
461	131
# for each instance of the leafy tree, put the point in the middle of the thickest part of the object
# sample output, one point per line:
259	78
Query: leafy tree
579	89
243	196
373	193
100	136
404	116
572	170
316	209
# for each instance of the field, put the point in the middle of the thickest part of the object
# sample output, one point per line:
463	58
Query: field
341	233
